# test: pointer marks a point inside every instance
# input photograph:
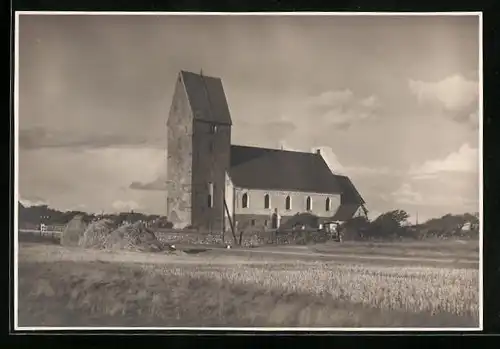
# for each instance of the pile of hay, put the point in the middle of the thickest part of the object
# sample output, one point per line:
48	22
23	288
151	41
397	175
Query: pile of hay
96	234
134	237
73	232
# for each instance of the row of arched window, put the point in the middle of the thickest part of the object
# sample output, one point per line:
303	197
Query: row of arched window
288	202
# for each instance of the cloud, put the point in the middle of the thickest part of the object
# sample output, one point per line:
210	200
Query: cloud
427	196
473	119
278	128
331	159
263	133
370	102
158	184
330	98
455	96
125	205
336	166
372	171
284	145
342	108
32	201
406	195
373	214
464	160
94	177
40	137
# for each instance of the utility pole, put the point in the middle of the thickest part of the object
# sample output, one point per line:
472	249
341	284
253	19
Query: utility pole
416	220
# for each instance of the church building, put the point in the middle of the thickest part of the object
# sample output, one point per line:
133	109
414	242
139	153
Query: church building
213	185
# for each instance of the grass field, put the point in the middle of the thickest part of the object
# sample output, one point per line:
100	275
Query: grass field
74	287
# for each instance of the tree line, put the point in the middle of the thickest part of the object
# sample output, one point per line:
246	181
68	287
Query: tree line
394	225
43	214
389	225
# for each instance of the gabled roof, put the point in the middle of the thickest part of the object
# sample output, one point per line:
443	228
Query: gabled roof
273	169
345	212
351	194
206	97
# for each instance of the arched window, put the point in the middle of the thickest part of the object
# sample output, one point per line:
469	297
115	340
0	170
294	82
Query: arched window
266	201
244	200
328	204
288	203
308	204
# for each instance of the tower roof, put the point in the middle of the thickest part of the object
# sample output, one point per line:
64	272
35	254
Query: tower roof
206	97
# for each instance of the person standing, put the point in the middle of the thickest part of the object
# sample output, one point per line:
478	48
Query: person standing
339	232
275	223
275	219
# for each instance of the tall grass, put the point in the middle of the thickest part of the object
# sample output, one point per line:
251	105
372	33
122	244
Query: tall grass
298	294
412	289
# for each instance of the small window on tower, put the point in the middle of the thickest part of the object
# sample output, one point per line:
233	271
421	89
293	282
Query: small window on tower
213	129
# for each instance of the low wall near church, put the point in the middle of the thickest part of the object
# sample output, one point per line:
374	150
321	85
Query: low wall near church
249	237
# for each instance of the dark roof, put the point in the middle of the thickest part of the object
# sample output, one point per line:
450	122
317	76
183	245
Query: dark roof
345	212
273	169
352	195
207	98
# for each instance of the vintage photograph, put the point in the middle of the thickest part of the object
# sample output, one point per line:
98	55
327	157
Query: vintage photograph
271	171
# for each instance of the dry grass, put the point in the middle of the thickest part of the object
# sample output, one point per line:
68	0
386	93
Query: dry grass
72	290
456	249
409	289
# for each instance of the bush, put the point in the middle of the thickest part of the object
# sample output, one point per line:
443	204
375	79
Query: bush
390	225
450	226
355	228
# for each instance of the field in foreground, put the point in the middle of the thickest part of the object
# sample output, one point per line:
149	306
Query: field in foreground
64	287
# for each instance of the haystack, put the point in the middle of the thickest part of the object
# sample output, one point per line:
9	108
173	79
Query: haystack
134	237
96	234
73	232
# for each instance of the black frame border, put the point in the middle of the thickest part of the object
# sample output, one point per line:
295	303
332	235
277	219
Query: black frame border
491	71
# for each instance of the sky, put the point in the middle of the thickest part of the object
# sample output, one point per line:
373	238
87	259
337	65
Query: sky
393	102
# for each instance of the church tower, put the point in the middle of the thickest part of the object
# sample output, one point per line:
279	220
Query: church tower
198	148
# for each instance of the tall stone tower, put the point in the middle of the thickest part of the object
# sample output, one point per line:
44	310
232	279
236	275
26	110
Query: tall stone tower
198	147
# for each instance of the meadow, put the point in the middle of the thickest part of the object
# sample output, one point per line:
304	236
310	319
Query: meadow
61	286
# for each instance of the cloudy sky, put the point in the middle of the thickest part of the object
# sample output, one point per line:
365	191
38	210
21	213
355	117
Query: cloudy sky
392	101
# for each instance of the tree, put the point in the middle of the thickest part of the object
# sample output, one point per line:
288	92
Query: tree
355	228
450	226
390	224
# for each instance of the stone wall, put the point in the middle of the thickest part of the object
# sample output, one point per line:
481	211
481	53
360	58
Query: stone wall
250	238
189	238
179	160
211	152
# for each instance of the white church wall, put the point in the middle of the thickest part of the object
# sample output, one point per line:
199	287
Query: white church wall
278	200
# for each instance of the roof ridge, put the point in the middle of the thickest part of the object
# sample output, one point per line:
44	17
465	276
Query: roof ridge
182	71
275	149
